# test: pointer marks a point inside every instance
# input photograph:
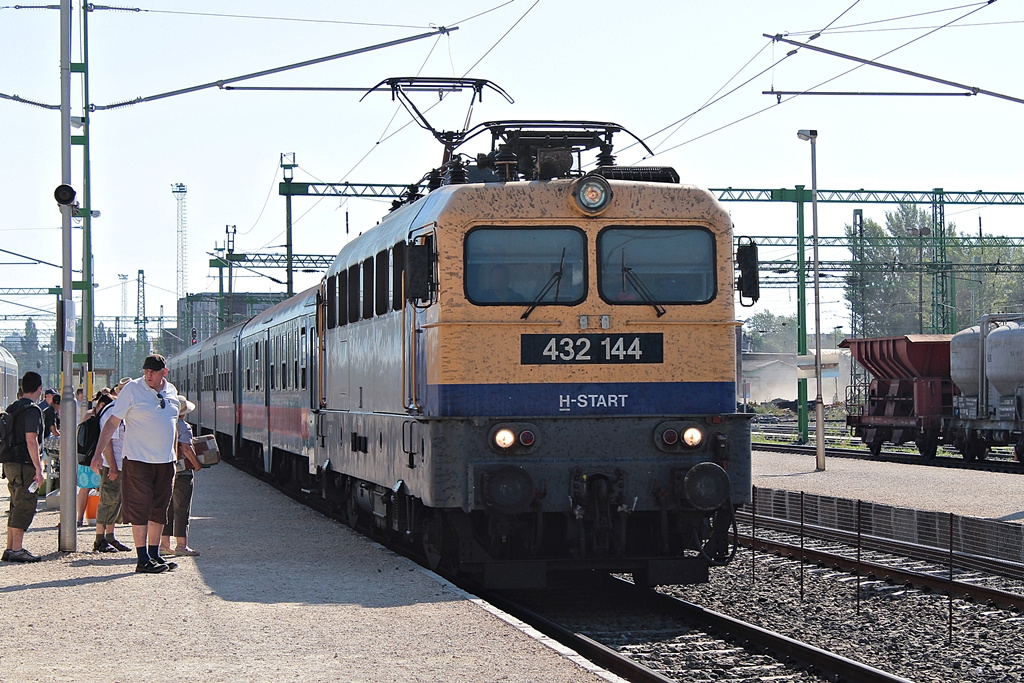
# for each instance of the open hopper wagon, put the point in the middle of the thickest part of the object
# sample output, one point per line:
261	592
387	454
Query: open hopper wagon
910	391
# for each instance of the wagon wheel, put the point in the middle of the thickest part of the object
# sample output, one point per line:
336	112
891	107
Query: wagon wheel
973	450
875	448
1018	452
351	506
928	447
440	546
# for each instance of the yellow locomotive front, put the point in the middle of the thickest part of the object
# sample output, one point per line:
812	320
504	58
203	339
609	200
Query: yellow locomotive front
576	371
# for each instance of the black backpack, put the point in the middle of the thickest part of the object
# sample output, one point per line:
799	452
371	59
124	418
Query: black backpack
89	436
8	447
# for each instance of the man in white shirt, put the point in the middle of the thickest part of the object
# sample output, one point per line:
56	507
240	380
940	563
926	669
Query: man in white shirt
149	408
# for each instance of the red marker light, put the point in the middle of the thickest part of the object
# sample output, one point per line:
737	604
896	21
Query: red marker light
670	436
526	437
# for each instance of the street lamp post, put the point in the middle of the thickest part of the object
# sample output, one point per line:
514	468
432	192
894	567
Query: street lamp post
819	406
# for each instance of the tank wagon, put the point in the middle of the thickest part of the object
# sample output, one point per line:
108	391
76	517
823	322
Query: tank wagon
965	390
526	369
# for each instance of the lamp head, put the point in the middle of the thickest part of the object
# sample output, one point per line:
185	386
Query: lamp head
65	195
807	134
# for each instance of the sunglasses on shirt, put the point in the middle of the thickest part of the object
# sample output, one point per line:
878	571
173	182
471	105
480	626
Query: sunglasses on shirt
162	403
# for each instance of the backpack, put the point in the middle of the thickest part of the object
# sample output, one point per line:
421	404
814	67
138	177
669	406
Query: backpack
8	447
88	436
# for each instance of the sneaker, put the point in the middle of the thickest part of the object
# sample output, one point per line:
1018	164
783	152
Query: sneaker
21	556
7	555
186	551
150	567
116	544
101	546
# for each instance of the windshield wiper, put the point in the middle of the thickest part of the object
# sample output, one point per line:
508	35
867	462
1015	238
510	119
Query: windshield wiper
640	287
555	278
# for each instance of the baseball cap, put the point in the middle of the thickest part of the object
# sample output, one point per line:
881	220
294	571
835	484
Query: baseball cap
50	392
154	361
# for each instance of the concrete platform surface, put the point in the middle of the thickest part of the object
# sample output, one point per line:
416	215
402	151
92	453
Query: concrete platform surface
992	495
278	593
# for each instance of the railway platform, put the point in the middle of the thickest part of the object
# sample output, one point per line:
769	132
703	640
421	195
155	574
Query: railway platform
278	593
972	493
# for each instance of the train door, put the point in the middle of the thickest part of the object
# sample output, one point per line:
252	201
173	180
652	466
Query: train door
420	284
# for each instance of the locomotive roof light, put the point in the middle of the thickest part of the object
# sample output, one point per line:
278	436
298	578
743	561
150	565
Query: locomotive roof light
693	437
504	438
592	194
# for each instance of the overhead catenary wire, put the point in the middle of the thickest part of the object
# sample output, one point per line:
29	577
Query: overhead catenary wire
845	28
714	99
384	138
266	72
782	100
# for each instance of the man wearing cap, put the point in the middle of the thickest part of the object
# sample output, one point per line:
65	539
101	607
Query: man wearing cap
51	420
148	406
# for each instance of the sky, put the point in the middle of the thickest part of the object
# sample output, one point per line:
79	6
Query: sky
647	65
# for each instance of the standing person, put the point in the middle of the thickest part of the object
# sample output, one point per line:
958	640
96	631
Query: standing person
51	418
23	467
148	406
181	497
108	465
88	480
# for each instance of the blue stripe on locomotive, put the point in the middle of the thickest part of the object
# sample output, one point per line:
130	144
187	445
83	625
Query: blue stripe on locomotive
609	398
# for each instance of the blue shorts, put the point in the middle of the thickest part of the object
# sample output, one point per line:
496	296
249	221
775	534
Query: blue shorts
87	479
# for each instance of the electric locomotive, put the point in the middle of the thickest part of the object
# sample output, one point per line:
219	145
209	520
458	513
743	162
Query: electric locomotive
527	368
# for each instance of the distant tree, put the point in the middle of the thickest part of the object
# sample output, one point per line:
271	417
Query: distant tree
766	332
883	286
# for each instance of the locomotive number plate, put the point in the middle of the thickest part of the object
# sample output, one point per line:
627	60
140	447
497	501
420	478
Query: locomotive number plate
554	349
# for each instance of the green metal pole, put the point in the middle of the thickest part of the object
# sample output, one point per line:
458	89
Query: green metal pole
88	314
803	432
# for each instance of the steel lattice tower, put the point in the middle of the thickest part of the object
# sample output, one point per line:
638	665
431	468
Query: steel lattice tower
179	190
140	315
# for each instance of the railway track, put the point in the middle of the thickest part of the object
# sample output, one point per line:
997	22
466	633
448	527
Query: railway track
991	464
985	580
646	635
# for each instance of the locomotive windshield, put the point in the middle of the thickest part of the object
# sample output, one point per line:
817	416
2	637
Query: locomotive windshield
647	266
520	265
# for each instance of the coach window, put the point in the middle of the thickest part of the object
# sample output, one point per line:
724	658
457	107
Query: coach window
332	302
353	294
653	266
303	346
397	267
368	288
380	287
526	265
342	298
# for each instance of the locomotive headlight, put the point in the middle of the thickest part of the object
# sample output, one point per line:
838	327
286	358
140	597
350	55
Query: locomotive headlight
504	438
593	194
693	437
